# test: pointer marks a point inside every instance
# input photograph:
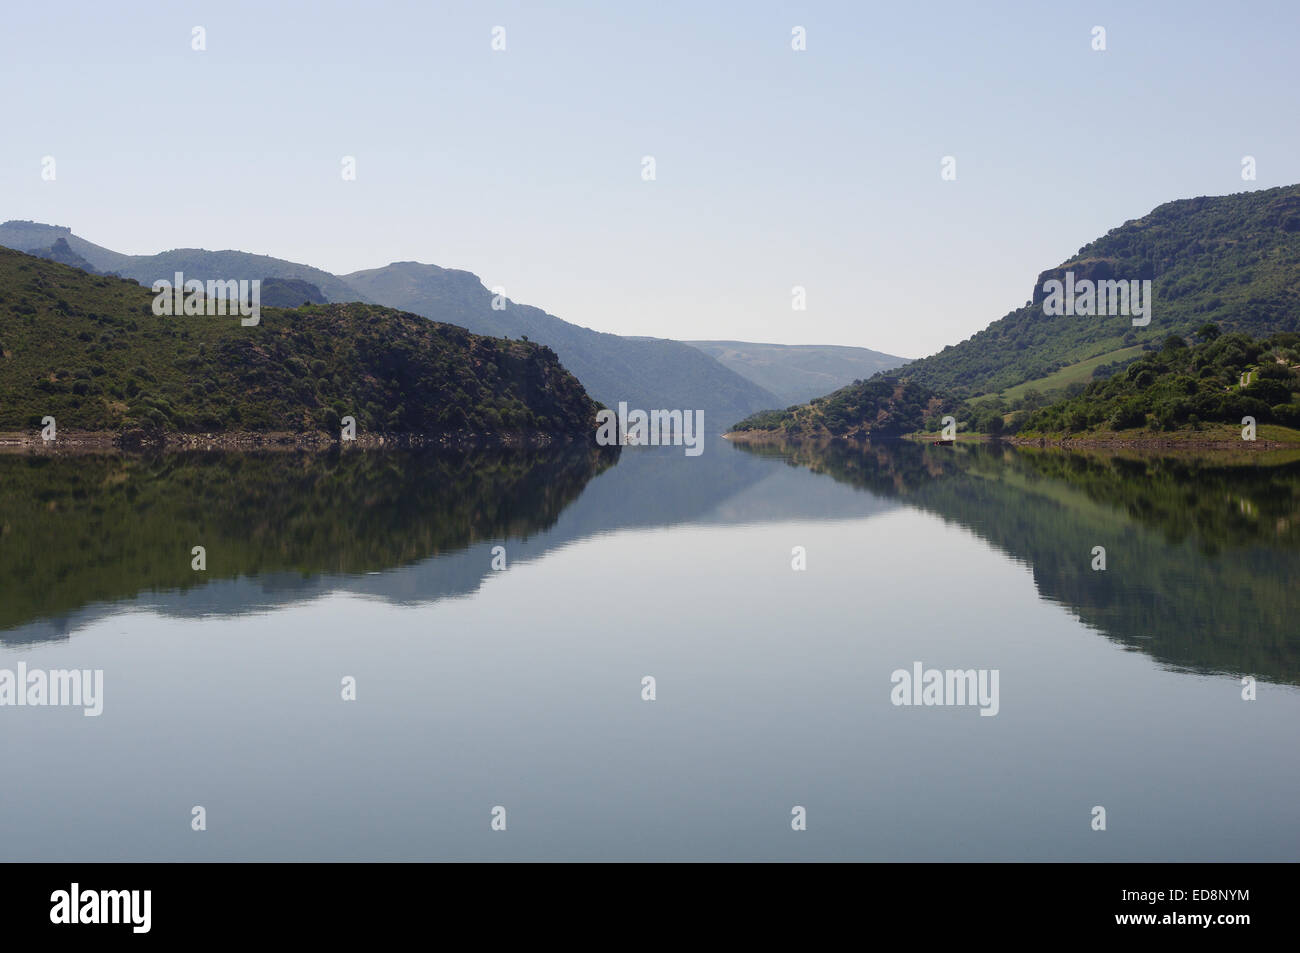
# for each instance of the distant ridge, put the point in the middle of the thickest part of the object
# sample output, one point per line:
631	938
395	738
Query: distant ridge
193	262
645	372
62	252
797	373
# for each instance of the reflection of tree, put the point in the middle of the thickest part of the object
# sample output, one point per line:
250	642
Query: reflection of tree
1202	557
91	528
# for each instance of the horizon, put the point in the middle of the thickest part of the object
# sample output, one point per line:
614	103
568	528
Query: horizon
523	165
812	344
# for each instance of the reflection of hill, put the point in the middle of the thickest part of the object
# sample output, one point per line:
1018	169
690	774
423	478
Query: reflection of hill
1201	558
89	529
81	535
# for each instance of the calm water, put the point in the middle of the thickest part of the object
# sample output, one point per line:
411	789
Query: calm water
523	687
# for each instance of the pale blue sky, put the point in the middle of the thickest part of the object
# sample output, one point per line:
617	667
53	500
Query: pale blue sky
775	168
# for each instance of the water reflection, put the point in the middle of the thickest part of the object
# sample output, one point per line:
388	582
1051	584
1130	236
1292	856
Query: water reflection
90	529
1202	555
82	535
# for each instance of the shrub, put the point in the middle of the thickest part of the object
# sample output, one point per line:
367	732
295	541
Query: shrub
1127	415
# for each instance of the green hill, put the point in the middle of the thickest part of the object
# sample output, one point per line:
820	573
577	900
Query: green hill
1233	260
89	351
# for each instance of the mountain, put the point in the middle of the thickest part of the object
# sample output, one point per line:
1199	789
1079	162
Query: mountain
28	236
796	373
193	262
89	351
290	293
1233	260
62	252
648	373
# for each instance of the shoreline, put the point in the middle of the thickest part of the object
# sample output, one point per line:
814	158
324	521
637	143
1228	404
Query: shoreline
1112	441
1117	442
81	441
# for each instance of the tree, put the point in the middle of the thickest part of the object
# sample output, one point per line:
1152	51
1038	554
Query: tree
1033	399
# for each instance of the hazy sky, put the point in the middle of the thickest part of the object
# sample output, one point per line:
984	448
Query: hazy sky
774	168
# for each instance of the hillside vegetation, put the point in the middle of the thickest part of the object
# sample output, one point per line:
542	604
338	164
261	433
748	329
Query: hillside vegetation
1232	260
1222	379
1235	259
89	351
881	407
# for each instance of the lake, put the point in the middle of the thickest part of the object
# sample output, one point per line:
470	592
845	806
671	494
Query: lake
523	686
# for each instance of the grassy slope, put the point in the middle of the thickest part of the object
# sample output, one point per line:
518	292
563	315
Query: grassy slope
1080	373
